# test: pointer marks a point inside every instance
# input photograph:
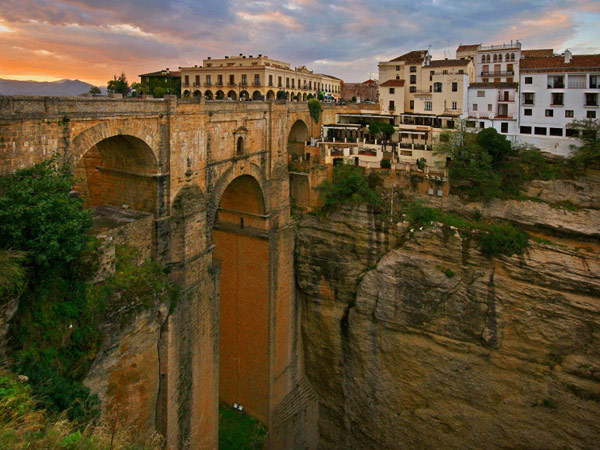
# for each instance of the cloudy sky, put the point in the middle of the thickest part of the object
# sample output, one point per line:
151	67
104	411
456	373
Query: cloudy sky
94	39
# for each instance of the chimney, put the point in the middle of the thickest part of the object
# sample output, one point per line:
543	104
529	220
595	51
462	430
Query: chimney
568	56
210	57
427	59
260	55
241	54
227	57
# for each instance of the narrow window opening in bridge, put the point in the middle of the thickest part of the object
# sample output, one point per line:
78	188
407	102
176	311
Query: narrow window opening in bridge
242	223
240	145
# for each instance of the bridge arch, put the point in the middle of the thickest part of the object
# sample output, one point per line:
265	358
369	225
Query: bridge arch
242	250
116	171
297	138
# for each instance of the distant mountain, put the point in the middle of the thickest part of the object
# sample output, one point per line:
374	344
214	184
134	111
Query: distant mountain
60	88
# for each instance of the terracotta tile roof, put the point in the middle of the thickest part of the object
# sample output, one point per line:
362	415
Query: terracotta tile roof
558	64
369	82
537	53
448	62
467	48
498	85
393	83
416	56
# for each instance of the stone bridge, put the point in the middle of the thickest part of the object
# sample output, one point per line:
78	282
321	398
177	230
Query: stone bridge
213	177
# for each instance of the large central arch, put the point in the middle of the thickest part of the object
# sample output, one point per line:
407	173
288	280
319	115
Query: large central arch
242	249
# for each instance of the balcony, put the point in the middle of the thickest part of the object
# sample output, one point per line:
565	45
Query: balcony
506	98
499	73
556	85
516	46
219	83
231	83
256	83
576	84
208	83
502	115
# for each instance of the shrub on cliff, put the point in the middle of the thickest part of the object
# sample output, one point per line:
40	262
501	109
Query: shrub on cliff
348	186
503	239
24	425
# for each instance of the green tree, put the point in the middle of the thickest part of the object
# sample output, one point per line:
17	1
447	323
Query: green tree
353	99
381	130
137	87
315	108
280	95
348	186
496	145
587	155
118	85
320	97
95	90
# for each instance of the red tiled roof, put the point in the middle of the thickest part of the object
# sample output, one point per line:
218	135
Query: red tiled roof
467	47
393	83
369	82
498	85
558	64
449	62
537	53
416	56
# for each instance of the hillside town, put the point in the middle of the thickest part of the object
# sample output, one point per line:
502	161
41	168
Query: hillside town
531	96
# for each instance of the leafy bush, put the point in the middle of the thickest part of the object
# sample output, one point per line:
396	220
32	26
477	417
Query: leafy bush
280	95
349	186
386	164
315	108
23	425
239	431
503	239
12	273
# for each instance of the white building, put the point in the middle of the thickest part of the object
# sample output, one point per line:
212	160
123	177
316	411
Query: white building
498	63
555	91
494	105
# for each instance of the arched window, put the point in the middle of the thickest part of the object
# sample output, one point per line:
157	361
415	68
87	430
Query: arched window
482	58
500	57
240	146
512	56
508	56
495	57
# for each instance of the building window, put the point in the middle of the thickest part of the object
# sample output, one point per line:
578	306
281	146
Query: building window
392	91
294	83
411	104
256	80
431	73
279	82
454	106
437	87
525	130
569	113
187	80
591	99
490	107
541	131
428	105
558	98
482	125
500	57
556	132
287	82
527	112
240	145
397	68
503	127
197	80
480	93
244	80
413	68
461	72
454	86
495	57
475	106
512	56
208	82
528	98
413	79
485	80
590	115
220	80
528	80
444	72
412	89
549	113
594	81
570	132
507	57
556	81
487	58
391	105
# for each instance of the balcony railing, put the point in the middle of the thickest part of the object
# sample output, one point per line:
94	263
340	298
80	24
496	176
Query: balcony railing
219	83
577	85
558	85
208	83
256	83
506	98
516	46
231	83
497	73
504	116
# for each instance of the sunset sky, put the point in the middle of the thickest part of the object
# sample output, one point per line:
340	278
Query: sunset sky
46	40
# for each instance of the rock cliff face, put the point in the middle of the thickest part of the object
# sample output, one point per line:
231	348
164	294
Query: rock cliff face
417	340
